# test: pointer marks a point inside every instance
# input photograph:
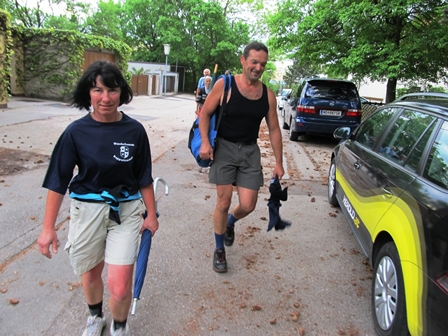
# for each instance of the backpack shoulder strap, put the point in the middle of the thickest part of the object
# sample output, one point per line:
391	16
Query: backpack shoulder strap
227	86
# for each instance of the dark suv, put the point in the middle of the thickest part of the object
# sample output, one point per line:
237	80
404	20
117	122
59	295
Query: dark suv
320	105
390	178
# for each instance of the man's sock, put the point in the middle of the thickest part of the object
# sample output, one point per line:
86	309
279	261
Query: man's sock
219	240
96	309
118	325
231	220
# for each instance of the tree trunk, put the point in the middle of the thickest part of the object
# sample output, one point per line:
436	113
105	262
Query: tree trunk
391	90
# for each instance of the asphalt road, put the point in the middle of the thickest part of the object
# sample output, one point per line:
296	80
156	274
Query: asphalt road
310	279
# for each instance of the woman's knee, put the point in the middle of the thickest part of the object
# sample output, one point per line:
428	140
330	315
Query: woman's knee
120	283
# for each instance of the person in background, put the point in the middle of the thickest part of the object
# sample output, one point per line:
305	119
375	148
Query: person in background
237	158
201	81
203	93
111	190
201	84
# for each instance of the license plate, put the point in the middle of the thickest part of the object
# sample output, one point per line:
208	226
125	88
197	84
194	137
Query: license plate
330	113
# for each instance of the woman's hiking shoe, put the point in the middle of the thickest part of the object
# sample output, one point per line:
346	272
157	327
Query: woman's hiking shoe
120	331
229	236
94	326
219	261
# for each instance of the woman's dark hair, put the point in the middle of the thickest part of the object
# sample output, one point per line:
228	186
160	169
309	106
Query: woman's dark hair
109	74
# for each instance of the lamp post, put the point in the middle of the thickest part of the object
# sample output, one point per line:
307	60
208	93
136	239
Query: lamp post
166	48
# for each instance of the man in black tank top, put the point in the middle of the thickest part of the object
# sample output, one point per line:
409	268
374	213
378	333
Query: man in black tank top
237	159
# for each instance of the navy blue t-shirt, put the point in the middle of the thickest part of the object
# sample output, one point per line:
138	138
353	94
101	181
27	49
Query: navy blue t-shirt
107	155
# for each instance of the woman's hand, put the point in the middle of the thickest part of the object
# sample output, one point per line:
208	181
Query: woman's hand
151	224
46	238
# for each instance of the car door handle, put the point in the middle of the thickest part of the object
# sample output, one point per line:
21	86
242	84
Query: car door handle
387	192
357	165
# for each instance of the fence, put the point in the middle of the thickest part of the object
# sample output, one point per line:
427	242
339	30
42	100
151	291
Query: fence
368	109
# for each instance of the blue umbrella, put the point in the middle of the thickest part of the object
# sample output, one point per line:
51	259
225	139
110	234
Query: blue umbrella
143	253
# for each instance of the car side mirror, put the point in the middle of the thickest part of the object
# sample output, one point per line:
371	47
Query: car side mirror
342	133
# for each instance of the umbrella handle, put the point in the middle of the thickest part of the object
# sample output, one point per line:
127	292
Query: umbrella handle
134	306
156	184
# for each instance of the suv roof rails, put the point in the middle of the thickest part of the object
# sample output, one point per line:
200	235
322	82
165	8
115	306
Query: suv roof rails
422	96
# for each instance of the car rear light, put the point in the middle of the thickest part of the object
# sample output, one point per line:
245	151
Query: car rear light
442	282
306	109
354	113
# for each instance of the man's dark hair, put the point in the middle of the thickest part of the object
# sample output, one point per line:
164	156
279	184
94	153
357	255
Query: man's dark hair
257	46
109	74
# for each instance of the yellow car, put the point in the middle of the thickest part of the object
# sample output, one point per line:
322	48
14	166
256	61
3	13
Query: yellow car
390	178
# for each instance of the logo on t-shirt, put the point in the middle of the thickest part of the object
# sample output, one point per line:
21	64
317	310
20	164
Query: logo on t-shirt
124	152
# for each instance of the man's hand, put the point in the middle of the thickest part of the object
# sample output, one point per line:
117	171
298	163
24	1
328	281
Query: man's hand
278	171
206	152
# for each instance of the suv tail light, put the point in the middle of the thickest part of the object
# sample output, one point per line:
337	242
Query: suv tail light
354	113
306	109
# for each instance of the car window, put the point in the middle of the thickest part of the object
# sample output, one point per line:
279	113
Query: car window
436	169
370	129
404	135
414	158
331	90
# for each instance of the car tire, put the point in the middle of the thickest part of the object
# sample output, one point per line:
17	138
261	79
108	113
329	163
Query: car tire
285	125
332	184
388	297
293	136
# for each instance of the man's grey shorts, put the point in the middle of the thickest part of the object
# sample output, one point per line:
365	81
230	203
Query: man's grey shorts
237	164
93	237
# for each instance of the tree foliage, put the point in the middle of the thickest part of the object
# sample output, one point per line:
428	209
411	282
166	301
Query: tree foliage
198	32
201	33
393	40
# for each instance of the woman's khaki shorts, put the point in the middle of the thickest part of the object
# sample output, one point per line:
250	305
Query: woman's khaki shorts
236	164
93	237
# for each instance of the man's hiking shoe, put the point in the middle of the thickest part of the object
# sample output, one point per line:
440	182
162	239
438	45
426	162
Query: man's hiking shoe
229	236
94	326
219	261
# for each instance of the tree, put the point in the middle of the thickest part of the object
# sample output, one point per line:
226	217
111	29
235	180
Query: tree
297	71
106	21
22	15
198	32
393	40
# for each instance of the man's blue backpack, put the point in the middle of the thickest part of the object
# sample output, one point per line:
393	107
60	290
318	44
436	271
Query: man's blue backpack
194	139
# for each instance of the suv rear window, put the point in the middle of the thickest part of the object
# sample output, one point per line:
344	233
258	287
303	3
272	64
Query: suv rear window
332	90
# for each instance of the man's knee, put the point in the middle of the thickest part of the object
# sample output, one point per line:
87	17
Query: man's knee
223	205
247	208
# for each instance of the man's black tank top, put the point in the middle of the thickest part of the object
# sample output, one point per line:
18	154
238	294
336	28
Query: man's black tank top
242	117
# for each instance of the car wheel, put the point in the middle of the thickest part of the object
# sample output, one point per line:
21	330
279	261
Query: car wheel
293	136
285	125
332	184
388	299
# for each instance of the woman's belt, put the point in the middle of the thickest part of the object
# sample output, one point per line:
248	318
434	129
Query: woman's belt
113	198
